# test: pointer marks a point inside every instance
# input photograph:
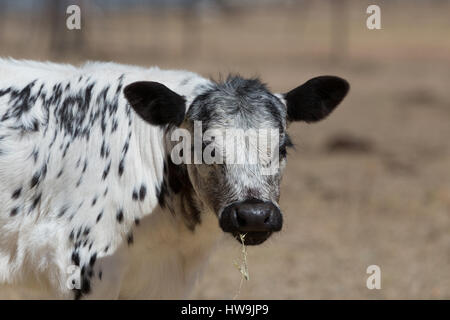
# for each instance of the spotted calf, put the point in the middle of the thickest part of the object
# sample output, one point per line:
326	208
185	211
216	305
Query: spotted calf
92	204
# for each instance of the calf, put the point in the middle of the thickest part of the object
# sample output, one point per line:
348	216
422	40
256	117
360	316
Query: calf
94	205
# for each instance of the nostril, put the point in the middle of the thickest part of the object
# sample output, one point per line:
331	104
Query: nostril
266	220
241	221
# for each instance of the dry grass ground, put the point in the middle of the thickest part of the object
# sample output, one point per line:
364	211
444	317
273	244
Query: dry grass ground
369	185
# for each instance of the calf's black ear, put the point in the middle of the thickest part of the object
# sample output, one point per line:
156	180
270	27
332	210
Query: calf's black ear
316	98
155	103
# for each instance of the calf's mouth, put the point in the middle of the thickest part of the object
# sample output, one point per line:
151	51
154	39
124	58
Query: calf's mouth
252	238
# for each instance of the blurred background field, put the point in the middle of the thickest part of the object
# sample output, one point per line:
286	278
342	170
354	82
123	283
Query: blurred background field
369	185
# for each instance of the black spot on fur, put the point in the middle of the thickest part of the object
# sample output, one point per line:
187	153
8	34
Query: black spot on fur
35	125
142	193
16	193
35	180
103	150
119	216
84	166
62	211
14	211
65	150
114	126
4	91
44	170
75	258
99	217
121	166
93	259
21	101
106	171
135	195
35	155
130	239
36	200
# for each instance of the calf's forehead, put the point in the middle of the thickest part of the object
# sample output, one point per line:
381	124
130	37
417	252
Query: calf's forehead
238	103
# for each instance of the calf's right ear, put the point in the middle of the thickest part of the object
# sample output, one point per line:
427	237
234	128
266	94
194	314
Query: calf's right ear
155	103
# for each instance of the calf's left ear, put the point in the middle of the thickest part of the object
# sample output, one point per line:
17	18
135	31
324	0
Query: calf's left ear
315	99
155	103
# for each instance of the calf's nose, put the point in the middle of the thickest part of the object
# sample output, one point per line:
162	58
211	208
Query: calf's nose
251	216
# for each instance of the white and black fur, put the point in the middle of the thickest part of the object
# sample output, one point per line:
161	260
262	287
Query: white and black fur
86	178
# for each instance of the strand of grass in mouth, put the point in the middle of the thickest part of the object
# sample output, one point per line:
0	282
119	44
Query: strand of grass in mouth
242	266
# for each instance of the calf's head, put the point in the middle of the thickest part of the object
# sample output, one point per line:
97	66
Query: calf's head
235	139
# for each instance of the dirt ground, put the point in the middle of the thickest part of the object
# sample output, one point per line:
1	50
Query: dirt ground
369	185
